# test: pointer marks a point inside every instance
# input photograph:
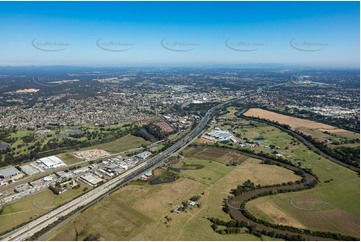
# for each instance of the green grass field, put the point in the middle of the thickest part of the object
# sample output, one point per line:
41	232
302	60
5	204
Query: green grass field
68	158
210	171
231	112
322	208
125	143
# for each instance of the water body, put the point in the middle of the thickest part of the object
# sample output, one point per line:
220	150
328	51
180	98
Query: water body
224	142
259	138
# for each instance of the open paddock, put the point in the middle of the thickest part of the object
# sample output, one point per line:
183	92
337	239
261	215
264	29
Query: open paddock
214	154
305	210
205	171
68	158
133	213
297	123
125	143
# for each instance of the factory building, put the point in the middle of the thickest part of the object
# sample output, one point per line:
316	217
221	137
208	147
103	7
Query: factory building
9	172
50	162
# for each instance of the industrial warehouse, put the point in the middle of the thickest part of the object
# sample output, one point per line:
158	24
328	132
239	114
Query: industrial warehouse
50	162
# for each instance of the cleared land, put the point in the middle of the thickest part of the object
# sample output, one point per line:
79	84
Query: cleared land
68	158
274	213
88	155
125	143
206	171
205	141
219	155
132	213
208	165
137	212
297	123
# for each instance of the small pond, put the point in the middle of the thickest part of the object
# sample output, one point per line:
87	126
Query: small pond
259	138
224	142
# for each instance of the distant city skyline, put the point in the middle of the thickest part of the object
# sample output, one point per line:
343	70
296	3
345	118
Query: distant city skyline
315	34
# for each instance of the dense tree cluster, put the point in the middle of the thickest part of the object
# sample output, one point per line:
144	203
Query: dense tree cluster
167	176
54	189
232	226
245	187
92	237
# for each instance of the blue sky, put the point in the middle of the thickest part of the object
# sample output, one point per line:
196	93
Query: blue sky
322	34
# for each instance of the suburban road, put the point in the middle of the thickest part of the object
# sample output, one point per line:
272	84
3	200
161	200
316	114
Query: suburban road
26	231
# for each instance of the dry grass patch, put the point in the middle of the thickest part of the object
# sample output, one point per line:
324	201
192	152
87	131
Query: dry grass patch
305	209
253	170
210	154
189	152
93	154
215	154
133	213
272	213
203	141
297	123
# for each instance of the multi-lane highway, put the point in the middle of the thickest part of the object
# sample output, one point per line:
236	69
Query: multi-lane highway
40	223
